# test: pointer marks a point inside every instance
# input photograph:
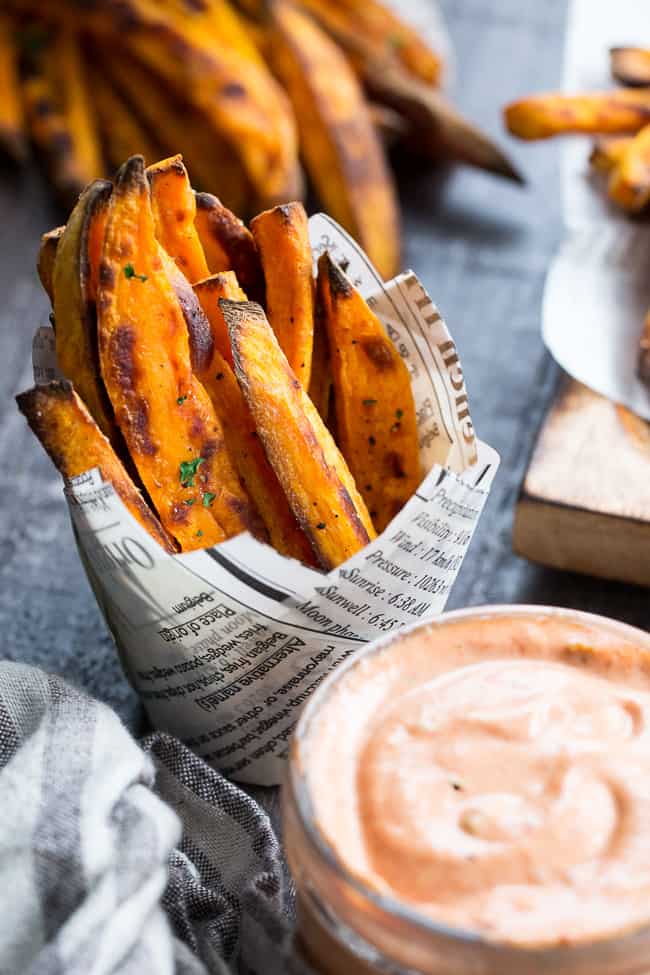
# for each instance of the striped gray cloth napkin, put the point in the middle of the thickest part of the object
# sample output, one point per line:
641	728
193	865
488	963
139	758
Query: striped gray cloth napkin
121	859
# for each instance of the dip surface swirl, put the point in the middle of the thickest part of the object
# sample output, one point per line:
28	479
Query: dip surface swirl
494	775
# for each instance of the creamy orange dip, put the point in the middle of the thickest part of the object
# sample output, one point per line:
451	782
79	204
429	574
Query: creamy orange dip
494	775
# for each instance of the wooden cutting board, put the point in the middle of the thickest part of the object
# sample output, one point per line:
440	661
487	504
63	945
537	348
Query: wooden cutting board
584	504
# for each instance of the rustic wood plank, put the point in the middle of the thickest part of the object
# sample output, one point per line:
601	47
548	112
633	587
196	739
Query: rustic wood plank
585	500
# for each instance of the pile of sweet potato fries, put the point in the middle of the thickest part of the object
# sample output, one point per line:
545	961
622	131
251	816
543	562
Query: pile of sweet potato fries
621	120
240	89
211	413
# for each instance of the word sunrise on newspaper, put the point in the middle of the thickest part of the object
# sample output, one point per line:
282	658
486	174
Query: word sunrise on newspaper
225	645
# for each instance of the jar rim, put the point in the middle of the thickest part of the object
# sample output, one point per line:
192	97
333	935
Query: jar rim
297	786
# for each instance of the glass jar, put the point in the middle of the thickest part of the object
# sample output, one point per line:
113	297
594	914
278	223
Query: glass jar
347	928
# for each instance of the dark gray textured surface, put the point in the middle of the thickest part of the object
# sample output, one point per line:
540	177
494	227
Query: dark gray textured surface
481	247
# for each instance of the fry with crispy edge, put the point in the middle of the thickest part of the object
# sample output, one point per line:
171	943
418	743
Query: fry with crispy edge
174	208
298	445
598	113
122	133
75	444
320	384
164	413
75	310
209	291
240	101
282	238
239	427
179	127
386	36
608	151
12	128
228	244
629	183
46	259
630	65
375	411
51	134
343	153
67	73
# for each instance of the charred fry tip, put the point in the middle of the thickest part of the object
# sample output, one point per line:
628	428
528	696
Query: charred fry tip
206	201
171	164
340	285
131	174
62	388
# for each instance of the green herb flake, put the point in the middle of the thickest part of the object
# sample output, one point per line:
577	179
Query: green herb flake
399	414
396	41
188	469
199	534
181	400
208	498
189	502
321	525
129	272
369	402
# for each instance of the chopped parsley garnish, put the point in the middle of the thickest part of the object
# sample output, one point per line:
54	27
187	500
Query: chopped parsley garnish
399	414
189	502
320	525
181	400
396	42
208	498
199	534
369	402
188	469
129	272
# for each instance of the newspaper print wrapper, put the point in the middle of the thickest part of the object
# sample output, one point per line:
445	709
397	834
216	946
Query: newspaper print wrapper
224	645
598	287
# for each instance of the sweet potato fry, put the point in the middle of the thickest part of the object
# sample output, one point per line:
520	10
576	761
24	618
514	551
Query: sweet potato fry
598	113
179	127
375	410
631	65
75	444
164	413
75	311
213	20
12	128
228	244
629	183
436	130
209	291
246	450
298	445
239	100
644	352
122	133
51	135
320	384
608	151
342	152
46	259
385	34
174	208
282	238
67	73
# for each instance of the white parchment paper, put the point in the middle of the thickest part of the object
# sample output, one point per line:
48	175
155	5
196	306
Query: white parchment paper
598	287
224	645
